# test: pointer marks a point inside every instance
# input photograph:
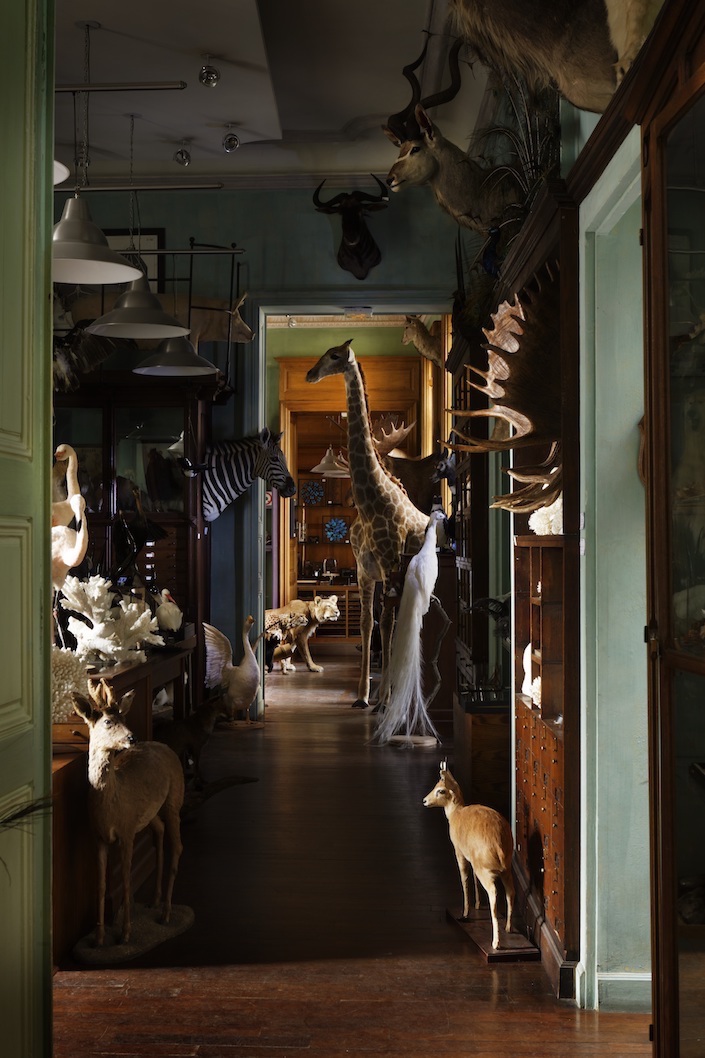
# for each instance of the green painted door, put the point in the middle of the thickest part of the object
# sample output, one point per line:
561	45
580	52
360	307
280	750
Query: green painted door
26	106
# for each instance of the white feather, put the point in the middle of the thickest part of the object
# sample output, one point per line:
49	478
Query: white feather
401	691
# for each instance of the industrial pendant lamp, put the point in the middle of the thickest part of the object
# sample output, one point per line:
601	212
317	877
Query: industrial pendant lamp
81	253
137	314
330	467
80	250
175	356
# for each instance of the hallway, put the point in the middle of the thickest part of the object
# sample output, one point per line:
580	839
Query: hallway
319	892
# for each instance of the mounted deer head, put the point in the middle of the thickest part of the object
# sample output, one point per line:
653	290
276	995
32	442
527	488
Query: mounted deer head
358	252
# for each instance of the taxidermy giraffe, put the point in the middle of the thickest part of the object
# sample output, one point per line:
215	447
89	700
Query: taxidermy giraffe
387	522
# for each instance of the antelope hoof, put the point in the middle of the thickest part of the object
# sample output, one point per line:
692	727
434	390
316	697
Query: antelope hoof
360	704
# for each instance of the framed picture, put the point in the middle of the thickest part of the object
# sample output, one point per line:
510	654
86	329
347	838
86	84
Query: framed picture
145	240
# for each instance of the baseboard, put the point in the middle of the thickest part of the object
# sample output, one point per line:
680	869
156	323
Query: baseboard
559	970
624	992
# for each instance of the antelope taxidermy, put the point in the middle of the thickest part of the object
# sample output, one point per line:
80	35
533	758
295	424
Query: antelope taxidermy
475	196
133	785
482	840
428	344
358	252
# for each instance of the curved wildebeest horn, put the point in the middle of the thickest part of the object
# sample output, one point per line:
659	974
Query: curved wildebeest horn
446	94
364	196
326	207
404	124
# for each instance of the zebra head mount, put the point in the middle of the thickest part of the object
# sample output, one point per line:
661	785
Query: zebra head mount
230	467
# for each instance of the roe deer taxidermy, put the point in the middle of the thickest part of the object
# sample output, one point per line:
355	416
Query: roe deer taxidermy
475	196
482	840
358	252
133	785
430	345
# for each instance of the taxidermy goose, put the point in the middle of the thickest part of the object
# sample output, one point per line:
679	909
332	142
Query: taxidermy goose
62	513
401	694
168	614
69	546
239	683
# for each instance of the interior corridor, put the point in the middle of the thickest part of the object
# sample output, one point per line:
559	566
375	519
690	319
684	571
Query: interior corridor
320	893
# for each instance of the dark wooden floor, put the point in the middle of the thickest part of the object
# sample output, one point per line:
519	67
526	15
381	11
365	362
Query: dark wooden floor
320	895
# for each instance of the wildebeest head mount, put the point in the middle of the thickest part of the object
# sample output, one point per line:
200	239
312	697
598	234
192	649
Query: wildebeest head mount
358	252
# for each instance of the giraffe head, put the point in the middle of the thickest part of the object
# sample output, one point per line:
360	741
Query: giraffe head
333	362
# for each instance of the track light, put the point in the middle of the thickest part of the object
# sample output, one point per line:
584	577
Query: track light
208	75
182	156
231	142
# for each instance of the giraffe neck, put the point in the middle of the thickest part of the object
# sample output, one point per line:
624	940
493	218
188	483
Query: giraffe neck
365	466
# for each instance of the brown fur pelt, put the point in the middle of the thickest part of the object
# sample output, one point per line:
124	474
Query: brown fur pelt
315	611
564	42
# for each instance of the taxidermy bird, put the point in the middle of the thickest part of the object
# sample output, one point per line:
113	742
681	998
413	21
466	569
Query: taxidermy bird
239	683
62	513
168	614
401	694
69	546
500	610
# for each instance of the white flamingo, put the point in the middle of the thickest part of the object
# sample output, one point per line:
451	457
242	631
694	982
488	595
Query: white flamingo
69	546
62	512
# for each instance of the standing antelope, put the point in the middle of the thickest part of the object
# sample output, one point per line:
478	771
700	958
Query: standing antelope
133	785
482	839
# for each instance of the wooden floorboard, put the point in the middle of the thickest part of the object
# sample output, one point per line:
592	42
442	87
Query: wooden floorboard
320	894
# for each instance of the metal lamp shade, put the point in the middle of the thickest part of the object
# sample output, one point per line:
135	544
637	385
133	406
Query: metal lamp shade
81	253
137	314
329	467
175	356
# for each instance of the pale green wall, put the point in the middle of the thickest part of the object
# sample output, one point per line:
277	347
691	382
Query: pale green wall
615	964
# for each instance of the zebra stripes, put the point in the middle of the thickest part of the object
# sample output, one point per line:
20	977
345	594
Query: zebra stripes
231	466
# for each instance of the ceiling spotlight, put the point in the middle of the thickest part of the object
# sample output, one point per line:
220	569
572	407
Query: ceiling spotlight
208	75
231	142
182	156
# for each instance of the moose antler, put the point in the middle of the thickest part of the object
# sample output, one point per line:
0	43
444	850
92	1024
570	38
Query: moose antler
386	440
524	378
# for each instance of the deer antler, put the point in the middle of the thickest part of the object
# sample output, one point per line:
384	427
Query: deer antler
524	378
102	694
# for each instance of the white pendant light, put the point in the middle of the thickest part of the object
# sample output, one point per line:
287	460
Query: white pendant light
61	172
81	253
175	356
137	314
330	467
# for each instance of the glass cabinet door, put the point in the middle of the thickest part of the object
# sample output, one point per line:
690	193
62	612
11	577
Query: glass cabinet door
677	561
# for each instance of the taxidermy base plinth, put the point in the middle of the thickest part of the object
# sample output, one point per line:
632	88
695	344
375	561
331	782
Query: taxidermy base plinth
147	933
514	947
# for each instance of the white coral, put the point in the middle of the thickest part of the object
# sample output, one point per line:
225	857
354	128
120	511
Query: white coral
548	521
114	633
68	675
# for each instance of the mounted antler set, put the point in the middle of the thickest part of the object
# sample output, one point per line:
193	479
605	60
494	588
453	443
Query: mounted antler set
524	382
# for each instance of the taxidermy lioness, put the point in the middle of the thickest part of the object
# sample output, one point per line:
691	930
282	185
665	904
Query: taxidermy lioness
316	611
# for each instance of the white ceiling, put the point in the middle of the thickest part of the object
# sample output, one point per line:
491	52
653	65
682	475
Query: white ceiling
305	84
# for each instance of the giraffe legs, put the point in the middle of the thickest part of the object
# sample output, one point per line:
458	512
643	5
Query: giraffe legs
367	593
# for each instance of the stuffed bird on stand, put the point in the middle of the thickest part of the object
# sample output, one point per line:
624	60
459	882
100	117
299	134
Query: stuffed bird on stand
239	683
401	694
